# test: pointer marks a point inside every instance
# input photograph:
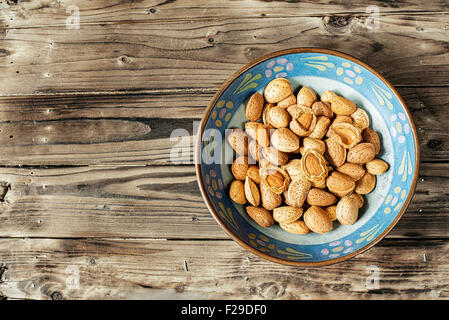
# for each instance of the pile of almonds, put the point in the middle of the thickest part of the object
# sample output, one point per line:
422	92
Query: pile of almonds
307	163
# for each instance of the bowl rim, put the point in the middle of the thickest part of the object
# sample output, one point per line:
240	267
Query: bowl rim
219	93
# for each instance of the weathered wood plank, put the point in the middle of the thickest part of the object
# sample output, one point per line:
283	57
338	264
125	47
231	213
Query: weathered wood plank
158	202
136	129
124	46
152	269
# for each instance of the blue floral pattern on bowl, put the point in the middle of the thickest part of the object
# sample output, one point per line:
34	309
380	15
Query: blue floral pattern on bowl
389	117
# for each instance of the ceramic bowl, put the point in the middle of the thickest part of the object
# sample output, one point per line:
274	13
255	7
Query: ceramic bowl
321	70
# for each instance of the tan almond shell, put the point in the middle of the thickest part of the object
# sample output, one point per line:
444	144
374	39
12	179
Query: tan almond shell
345	134
321	198
279	117
261	216
366	184
342	119
277	90
266	112
358	197
252	193
306	96
297	192
313	144
355	171
360	119
322	108
347	210
275	156
254	107
310	172
317	220
255	151
263	136
376	166
371	136
251	128
296	227
335	152
240	167
238	140
328	95
237	192
362	153
293	168
342	106
253	173
287	214
270	200
332	212
287	102
321	127
340	184
320	184
284	140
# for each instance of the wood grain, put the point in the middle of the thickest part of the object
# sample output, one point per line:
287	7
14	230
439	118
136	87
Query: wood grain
154	269
137	129
138	46
159	202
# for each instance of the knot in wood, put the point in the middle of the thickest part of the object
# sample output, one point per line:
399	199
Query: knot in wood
338	24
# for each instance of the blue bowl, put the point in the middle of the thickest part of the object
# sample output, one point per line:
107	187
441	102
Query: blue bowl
321	70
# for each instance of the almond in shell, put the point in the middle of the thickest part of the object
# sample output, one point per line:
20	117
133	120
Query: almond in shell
287	214
254	107
342	106
270	200
342	119
371	136
355	171
313	144
238	140
263	136
293	168
266	112
321	198
253	173
275	178
252	192
251	128
303	120
376	166
261	216
306	97
277	90
296	227
255	151
285	140
237	192
362	153
279	117
366	184
332	212
240	167
328	95
340	184
347	210
297	192
360	119
357	197
335	152
317	220
275	156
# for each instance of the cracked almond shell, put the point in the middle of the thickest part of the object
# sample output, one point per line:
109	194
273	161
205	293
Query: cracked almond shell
303	120
322	108
251	192
275	178
345	134
313	165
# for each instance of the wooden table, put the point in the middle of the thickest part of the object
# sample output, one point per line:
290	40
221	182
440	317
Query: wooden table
93	207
